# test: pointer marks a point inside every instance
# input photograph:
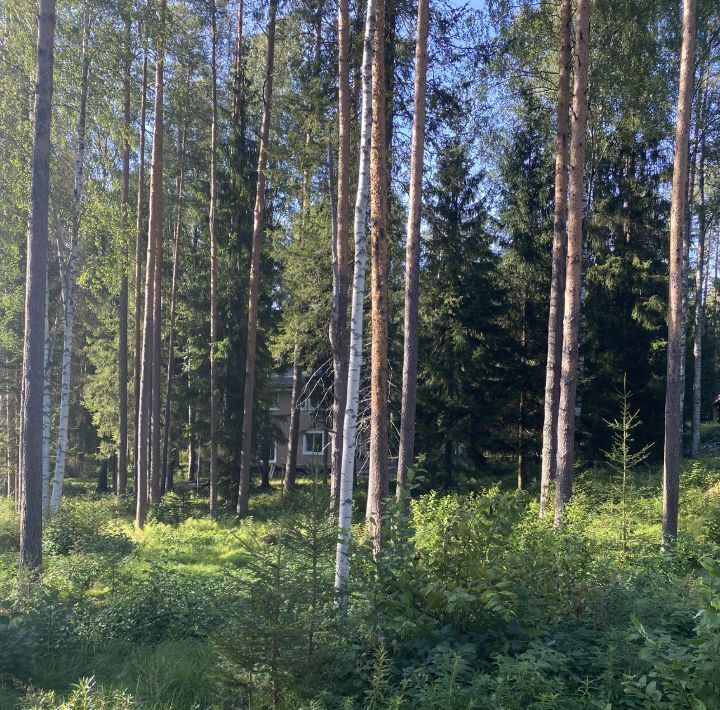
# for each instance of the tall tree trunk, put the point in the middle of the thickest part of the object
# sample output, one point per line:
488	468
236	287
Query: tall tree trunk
347	471
165	481
340	255
155	223
35	285
522	405
573	286
71	277
238	110
10	456
213	271
671	462
121	486
293	426
559	251
138	271
149	370
406	454
699	293
378	478
192	453
254	297
47	414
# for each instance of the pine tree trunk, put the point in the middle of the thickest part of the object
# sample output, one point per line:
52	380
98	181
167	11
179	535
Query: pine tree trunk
347	471
573	285
35	289
254	297
121	486
378	484
173	308
671	462
149	369
71	279
406	454
213	272
139	272
192	454
559	251
340	255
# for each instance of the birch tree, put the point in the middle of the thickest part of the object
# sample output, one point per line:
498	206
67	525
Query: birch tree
342	558
35	289
254	296
71	276
671	455
573	279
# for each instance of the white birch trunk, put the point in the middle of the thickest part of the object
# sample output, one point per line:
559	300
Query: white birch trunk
46	419
342	560
71	278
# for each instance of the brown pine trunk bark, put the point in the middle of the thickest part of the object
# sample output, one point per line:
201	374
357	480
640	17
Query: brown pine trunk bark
559	252
339	330
139	249
378	479
573	280
149	407
121	485
177	229
673	443
213	270
35	289
254	297
406	454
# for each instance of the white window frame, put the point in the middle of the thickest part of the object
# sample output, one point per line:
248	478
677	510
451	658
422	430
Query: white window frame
273	458
313	453
308	405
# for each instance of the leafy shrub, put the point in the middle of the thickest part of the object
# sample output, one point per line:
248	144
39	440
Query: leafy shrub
85	526
174	507
86	695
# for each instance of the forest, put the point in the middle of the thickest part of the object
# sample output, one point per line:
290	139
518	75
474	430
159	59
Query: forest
359	355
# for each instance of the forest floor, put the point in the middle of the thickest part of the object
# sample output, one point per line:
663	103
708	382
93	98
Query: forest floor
481	606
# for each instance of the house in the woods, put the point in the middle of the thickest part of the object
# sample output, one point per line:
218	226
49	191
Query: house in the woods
313	438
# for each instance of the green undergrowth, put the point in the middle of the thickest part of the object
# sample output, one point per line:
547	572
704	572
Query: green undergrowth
473	602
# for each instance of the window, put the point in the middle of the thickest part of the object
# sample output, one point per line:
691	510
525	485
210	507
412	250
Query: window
312	402
273	453
313	443
275	402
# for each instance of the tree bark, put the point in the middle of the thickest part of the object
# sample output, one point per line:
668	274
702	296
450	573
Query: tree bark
47	414
347	471
166	478
406	454
573	285
155	224
149	369
254	297
378	478
671	461
559	252
699	285
138	272
340	255
213	270
71	277
36	282
121	486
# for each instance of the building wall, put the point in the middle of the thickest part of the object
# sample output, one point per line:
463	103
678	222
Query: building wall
309	422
